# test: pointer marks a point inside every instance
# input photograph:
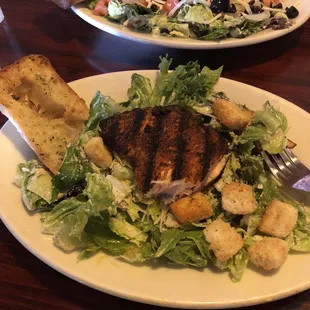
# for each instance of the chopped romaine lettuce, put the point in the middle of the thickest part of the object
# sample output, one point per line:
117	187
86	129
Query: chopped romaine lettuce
268	128
237	265
229	174
98	229
121	171
139	91
36	186
66	222
299	238
73	170
251	169
101	107
99	190
127	231
120	189
168	240
135	254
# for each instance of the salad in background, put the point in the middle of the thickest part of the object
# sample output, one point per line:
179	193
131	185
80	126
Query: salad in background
92	209
197	19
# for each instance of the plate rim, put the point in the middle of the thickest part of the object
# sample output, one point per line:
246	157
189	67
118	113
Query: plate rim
178	43
157	301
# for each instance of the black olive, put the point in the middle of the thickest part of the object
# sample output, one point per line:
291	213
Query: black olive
199	30
231	9
164	31
218	6
154	8
278	6
291	12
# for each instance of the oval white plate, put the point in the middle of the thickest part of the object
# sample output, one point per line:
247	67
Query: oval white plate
124	32
165	286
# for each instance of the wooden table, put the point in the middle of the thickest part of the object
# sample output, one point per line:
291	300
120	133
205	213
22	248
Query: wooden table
77	50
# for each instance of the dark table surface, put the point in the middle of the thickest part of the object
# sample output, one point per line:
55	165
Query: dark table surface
78	50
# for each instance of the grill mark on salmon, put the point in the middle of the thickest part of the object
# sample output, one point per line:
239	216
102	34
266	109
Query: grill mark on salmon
155	136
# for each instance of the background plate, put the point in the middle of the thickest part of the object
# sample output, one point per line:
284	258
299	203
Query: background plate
121	31
160	285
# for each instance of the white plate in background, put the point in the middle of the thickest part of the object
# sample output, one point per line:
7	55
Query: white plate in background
121	31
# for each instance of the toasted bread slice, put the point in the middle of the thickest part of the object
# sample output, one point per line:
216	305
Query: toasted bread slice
44	109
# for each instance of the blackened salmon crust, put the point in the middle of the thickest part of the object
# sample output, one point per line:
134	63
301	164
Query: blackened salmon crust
164	143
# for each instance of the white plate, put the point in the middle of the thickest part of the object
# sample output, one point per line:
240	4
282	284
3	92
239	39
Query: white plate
124	32
165	286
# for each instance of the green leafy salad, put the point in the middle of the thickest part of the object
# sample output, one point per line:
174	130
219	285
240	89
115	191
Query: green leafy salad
197	19
91	209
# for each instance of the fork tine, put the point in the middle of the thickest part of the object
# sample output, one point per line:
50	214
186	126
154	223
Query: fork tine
295	160
273	168
281	165
288	163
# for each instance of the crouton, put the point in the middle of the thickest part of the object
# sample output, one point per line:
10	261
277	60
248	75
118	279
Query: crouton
97	152
224	240
279	219
231	115
268	253
192	208
238	198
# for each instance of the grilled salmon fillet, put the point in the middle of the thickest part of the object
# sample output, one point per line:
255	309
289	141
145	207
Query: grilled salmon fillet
170	149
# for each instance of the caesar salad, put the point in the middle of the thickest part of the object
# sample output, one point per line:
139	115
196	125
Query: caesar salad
172	175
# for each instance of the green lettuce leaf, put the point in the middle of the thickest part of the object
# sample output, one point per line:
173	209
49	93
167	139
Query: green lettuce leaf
98	229
268	128
168	241
101	107
271	118
194	14
229	174
139	91
270	192
185	254
135	254
121	171
215	34
37	190
185	86
162	23
127	231
73	170
245	28
251	169
100	193
237	265
299	238
66	222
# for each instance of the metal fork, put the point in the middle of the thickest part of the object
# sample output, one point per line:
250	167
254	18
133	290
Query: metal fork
291	173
